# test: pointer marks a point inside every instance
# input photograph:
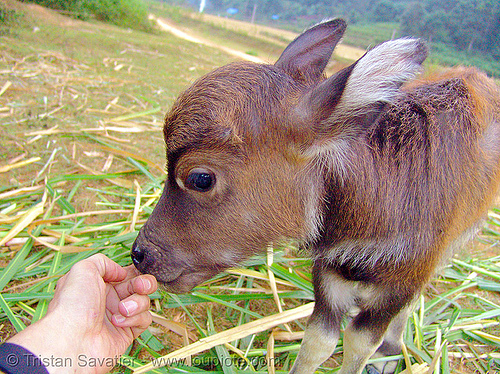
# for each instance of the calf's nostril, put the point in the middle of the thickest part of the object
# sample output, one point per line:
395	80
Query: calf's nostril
137	254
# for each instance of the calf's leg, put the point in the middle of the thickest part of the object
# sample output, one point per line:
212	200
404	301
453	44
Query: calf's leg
382	315
378	325
334	297
392	343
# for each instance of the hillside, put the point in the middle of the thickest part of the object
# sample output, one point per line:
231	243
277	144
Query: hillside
80	76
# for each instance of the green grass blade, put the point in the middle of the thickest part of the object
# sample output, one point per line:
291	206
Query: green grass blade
27	296
41	309
285	274
478	269
152	341
143	170
61	200
16	264
225	359
16	322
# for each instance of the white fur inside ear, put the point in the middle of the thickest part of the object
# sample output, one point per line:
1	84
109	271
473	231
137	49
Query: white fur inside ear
378	75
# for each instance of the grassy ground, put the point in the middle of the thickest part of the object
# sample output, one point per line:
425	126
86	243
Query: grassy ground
80	103
202	26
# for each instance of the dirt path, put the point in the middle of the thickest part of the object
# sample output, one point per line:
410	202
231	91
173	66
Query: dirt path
272	34
344	51
164	25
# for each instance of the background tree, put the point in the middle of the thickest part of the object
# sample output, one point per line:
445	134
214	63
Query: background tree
386	11
435	26
412	20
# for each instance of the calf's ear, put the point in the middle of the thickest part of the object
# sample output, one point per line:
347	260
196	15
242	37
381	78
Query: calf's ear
307	56
378	75
333	108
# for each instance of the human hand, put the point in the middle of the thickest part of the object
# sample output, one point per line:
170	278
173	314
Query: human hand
97	310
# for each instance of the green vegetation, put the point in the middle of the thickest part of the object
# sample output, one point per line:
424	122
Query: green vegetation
8	16
82	155
459	32
125	13
369	35
9	19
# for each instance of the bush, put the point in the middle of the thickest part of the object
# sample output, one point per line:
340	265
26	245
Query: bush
125	13
8	18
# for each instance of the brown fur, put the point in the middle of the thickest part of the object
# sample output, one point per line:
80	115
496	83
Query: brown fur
381	183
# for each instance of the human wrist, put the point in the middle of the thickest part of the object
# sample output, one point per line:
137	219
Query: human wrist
51	343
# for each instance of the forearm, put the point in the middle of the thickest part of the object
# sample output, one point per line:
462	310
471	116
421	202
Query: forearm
15	359
45	347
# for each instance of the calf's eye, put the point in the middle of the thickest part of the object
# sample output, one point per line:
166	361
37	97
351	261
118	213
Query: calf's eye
201	180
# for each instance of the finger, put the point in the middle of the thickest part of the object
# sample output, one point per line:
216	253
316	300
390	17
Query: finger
133	305
132	272
143	285
109	270
139	321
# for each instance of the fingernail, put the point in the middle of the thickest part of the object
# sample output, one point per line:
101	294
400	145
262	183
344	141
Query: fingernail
146	283
119	318
130	306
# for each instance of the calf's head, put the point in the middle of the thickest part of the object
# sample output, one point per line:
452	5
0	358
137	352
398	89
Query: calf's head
247	147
